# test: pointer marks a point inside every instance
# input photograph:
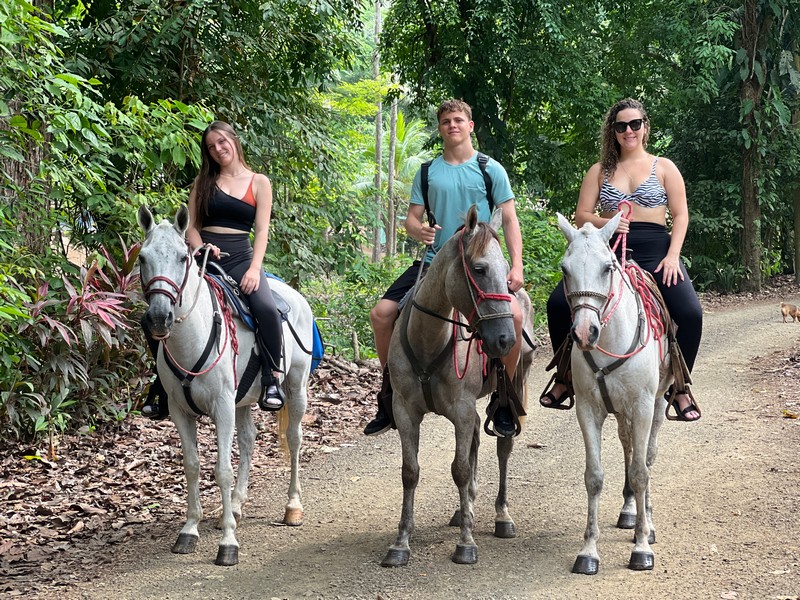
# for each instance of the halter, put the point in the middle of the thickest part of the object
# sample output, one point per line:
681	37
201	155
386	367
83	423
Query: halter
481	295
176	295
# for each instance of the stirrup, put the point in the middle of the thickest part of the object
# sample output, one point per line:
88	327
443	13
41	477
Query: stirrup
680	415
558	403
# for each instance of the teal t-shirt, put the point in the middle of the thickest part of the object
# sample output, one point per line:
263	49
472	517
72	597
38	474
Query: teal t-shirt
452	189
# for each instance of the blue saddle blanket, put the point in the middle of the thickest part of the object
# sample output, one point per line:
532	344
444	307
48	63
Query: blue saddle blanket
242	310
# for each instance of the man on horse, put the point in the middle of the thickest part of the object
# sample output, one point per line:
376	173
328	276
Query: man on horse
461	177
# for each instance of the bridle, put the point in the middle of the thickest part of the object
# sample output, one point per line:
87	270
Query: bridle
477	295
176	294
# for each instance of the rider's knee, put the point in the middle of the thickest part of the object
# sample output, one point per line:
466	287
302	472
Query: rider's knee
383	314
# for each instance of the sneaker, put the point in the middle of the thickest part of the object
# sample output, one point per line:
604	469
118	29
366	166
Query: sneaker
380	424
503	420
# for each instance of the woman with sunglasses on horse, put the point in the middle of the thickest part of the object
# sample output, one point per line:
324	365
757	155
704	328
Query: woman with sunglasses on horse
651	185
228	201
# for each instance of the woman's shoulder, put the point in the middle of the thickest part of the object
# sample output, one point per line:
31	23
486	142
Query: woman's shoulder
665	164
594	171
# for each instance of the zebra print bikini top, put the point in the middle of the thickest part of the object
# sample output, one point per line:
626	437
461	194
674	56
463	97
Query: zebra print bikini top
649	194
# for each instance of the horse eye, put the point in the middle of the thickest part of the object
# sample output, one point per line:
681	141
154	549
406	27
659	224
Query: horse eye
184	258
479	269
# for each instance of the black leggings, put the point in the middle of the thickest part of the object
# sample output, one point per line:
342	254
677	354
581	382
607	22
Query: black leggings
648	244
261	302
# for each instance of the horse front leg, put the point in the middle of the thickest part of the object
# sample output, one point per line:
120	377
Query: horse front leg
642	554
399	552
591	423
627	514
189	534
464	470
228	549
504	526
245	437
293	412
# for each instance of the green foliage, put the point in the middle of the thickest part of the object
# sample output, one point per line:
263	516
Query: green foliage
543	247
343	303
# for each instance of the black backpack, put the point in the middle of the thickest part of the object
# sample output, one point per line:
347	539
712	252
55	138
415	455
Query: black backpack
482	160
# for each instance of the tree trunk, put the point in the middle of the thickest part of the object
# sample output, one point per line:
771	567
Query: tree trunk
751	91
391	215
796	196
376	238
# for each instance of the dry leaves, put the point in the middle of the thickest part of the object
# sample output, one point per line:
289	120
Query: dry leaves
57	518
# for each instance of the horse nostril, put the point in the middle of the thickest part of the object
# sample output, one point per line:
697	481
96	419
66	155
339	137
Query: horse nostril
594	333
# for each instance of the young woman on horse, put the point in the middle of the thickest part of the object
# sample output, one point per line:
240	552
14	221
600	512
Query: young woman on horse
228	201
455	182
651	184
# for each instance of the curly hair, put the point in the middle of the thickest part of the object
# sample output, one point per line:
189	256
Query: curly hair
206	179
609	146
454	106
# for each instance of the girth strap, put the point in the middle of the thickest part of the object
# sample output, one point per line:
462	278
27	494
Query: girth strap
423	373
213	338
600	373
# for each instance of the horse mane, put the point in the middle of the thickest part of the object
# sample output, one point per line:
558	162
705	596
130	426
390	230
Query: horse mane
480	239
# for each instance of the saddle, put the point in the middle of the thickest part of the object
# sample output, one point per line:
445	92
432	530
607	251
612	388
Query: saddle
683	378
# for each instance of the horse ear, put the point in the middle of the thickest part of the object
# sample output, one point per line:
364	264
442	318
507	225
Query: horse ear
566	228
182	220
497	219
472	218
610	227
145	218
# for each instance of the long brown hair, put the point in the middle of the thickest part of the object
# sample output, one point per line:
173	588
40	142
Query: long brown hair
609	146
206	179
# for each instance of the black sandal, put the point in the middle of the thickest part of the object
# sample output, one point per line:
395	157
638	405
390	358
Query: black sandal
272	396
558	403
680	414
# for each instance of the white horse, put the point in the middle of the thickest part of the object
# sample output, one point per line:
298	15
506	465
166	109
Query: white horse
469	274
620	365
186	315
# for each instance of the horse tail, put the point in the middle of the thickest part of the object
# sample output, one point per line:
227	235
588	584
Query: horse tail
283	427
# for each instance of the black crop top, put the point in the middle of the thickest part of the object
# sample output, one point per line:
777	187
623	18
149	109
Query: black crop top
225	210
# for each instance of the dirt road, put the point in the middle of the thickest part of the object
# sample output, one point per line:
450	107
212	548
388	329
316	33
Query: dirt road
725	493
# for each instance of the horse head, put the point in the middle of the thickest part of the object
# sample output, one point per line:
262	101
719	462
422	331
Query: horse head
477	283
164	264
588	267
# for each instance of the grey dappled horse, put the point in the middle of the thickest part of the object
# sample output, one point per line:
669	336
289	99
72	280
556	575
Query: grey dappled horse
182	313
468	271
616	367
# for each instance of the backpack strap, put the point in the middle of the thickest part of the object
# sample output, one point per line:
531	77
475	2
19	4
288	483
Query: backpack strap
424	185
487	180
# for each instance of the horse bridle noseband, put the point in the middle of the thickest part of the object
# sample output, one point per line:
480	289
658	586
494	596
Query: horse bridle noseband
176	295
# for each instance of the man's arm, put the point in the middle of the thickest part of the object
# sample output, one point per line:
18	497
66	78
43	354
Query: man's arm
513	236
422	232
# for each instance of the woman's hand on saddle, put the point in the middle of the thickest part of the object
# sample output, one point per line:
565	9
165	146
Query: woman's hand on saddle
515	279
214	250
250	280
671	270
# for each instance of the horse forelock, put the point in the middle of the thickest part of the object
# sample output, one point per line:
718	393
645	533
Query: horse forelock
480	239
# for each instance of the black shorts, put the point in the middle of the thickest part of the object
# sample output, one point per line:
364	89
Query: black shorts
404	283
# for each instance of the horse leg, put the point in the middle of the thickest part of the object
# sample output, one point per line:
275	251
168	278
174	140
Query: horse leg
627	514
504	526
296	408
189	534
455	520
652	451
245	436
228	549
642	555
464	471
399	552
591	423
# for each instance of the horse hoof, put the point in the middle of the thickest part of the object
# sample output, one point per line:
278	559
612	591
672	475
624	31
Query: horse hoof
626	521
505	529
465	554
185	544
455	520
293	517
396	558
641	561
586	565
227	556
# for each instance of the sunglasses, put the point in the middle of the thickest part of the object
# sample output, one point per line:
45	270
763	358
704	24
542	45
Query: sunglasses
622	126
